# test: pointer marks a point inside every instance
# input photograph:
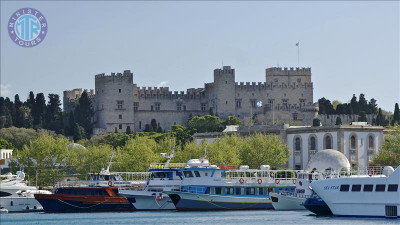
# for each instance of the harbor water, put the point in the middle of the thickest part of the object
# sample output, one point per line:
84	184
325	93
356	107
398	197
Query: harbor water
269	217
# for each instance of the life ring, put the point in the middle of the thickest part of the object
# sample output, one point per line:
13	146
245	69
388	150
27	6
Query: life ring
294	181
371	172
241	181
110	183
277	181
259	181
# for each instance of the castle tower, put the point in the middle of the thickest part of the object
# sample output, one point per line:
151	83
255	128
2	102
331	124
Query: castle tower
223	97
113	102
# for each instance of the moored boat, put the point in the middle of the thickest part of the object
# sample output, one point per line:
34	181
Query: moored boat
207	187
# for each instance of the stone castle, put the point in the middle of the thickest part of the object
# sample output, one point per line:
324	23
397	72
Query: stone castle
285	96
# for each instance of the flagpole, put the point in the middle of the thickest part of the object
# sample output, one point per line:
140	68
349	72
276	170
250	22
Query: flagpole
298	54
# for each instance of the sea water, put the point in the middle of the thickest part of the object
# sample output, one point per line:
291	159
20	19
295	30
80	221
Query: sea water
269	217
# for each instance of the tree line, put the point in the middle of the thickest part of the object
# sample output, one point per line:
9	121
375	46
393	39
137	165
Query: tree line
51	157
38	114
360	107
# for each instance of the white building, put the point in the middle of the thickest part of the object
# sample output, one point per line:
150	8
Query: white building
359	143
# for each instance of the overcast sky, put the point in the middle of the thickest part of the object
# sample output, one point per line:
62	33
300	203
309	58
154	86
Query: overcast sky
351	47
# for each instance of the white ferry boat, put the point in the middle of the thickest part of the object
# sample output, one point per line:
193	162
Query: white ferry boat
366	193
164	177
207	187
17	196
320	166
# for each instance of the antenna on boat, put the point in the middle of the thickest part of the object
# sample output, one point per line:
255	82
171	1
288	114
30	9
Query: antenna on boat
164	155
205	154
109	163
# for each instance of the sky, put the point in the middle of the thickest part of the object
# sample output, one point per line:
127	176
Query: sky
352	47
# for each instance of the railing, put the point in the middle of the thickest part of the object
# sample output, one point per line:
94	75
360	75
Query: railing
260	177
191	189
171	165
297	195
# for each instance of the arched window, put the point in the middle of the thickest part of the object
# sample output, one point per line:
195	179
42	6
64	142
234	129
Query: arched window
328	142
371	142
353	142
312	143
297	144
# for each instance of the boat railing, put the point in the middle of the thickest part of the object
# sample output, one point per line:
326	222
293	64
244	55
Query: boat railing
277	177
369	171
297	195
192	189
170	165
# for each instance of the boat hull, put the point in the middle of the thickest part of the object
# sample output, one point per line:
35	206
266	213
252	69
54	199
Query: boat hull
203	202
317	206
284	202
54	204
150	202
20	204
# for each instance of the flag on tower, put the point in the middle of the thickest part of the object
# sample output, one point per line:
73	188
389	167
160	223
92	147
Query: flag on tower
298	43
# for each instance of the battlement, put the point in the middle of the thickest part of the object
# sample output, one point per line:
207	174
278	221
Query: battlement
157	92
279	71
224	70
266	86
115	76
76	93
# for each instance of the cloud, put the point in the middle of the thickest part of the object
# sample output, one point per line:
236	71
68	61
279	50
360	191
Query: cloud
5	89
162	84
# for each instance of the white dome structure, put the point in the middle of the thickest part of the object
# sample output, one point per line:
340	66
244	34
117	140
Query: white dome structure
75	145
328	159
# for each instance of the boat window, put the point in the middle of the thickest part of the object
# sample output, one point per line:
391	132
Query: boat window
218	190
207	190
160	175
368	187
115	191
260	191
197	173
239	191
188	173
106	177
206	174
380	187
249	191
4	194
356	187
344	187
229	191
393	187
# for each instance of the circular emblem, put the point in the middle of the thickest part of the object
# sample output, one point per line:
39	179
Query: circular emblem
27	27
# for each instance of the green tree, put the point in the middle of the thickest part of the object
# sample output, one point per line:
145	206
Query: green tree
128	130
153	124
30	102
372	106
19	137
53	114
191	150
115	140
136	155
354	104
79	132
3	109
90	159
84	113
4	144
225	150
390	151
260	149
396	115
148	128
379	118
45	156
362	117
38	110
231	120
338	121
335	104
19	114
362	103
182	134
316	122
207	123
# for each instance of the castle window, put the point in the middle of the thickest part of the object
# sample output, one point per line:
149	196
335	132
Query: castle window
299	80
238	104
158	106
152	108
120	104
135	106
184	108
120	116
120	126
285	103
116	130
295	116
203	106
226	82
119	90
252	94
179	106
226	102
140	124
253	103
